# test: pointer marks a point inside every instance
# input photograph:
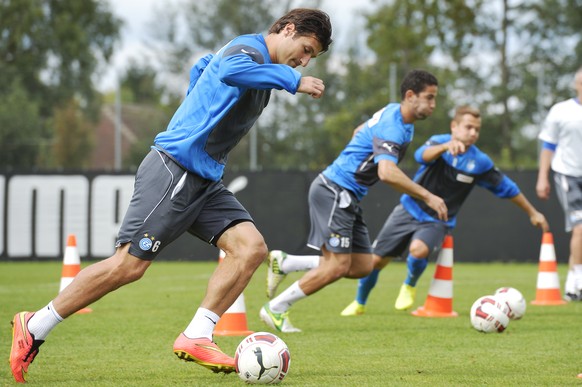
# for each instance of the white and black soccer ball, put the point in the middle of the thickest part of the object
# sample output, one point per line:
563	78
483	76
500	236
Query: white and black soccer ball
515	301
262	358
489	314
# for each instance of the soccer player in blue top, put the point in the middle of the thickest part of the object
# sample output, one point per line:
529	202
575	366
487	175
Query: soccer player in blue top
450	166
178	187
338	230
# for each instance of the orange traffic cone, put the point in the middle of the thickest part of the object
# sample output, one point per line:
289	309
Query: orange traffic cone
548	285
71	266
439	302
234	321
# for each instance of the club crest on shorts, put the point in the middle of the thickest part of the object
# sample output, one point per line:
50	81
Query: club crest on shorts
336	240
146	242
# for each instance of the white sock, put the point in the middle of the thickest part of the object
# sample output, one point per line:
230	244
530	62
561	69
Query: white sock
570	286
287	298
44	321
202	325
299	263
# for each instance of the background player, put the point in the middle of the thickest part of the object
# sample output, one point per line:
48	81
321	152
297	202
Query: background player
561	137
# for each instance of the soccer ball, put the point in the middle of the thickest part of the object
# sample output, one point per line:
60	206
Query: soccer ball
515	302
489	314
262	358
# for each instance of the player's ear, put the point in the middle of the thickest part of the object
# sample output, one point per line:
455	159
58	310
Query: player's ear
289	29
409	95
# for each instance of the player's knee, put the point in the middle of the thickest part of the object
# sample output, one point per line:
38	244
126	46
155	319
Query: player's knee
339	270
380	262
126	269
361	270
418	249
253	252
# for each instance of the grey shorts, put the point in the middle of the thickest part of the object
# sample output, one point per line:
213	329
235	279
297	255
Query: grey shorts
569	192
336	219
167	201
401	228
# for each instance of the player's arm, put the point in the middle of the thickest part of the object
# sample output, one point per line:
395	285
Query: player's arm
535	217
543	182
503	187
358	128
197	70
392	175
433	152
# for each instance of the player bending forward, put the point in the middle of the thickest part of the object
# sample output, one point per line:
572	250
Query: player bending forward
178	187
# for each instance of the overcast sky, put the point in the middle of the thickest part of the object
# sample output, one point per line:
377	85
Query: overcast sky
136	15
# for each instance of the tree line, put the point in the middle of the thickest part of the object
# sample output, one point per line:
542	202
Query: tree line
512	59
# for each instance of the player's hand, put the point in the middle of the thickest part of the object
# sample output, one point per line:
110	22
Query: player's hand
455	147
438	204
543	189
312	86
539	220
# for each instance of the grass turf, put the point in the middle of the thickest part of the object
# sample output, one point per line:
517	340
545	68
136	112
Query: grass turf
127	339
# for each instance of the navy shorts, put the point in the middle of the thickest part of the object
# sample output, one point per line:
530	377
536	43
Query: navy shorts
336	219
167	201
401	228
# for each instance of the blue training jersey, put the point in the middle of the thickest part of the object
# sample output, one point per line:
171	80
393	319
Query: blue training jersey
227	94
452	178
385	136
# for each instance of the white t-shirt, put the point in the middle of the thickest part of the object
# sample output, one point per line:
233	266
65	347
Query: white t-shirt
563	127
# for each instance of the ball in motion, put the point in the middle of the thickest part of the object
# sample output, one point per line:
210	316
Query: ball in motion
489	314
262	358
514	300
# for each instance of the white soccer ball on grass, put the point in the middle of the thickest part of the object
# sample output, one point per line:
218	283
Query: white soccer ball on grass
262	358
489	314
514	300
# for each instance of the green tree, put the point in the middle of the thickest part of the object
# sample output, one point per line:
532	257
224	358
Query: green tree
21	138
73	137
55	47
139	84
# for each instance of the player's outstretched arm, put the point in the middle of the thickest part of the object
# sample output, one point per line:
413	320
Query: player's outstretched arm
312	86
390	174
535	217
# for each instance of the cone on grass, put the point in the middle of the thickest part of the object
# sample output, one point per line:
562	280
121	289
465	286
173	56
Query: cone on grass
548	283
234	321
71	266
439	302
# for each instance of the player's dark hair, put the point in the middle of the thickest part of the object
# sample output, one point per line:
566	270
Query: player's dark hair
466	109
417	81
308	22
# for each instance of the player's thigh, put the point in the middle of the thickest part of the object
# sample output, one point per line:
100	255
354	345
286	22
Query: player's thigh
396	233
225	223
427	239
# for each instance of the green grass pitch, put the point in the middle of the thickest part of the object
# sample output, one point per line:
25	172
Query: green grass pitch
127	339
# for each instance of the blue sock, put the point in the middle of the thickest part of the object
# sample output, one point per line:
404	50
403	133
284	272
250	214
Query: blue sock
365	286
416	267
